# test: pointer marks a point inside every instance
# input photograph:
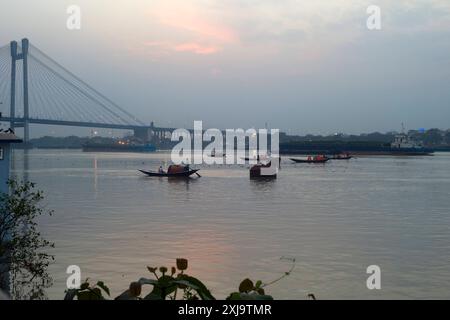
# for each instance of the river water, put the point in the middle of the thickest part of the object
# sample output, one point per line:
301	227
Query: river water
335	219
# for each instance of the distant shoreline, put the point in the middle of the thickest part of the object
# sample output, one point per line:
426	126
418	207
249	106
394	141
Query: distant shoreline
435	139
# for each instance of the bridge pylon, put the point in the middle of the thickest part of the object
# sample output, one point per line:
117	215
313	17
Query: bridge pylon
15	56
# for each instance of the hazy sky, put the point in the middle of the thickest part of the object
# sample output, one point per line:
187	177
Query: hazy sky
302	66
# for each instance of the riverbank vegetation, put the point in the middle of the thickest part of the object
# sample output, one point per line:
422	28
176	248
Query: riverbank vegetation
23	250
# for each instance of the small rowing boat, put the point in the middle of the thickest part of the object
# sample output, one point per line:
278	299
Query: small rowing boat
175	171
183	174
339	157
311	160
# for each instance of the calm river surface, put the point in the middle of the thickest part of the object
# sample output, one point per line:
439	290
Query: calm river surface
335	219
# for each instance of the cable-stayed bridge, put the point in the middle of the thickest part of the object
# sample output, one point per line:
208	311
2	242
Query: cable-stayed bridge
35	89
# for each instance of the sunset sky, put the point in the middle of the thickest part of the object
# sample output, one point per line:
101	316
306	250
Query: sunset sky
302	66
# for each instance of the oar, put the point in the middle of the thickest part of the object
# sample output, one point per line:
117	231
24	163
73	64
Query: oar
198	174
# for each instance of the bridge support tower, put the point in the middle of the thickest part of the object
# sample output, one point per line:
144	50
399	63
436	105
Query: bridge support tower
15	56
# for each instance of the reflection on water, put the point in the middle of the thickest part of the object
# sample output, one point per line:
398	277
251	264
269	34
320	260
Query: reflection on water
335	219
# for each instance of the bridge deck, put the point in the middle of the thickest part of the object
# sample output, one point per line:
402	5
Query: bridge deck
20	121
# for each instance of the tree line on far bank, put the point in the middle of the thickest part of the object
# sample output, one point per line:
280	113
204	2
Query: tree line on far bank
430	138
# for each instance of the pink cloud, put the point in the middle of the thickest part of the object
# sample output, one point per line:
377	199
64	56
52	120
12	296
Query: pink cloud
167	46
155	43
201	28
196	48
200	23
190	28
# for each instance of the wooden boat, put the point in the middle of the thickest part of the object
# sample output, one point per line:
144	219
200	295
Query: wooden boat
312	160
183	174
174	170
256	172
339	157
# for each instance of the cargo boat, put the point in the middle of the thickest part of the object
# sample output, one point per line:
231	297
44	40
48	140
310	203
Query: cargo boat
401	146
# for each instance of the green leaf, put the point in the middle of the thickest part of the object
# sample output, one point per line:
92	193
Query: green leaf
234	296
155	294
248	296
255	296
165	281
102	285
246	285
167	285
96	294
70	294
202	291
125	296
148	281
161	288
152	296
84	295
186	283
84	286
258	284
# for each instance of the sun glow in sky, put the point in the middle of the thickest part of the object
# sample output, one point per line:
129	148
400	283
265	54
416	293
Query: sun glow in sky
303	66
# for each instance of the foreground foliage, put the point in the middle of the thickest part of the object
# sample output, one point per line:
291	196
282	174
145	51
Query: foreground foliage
172	284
